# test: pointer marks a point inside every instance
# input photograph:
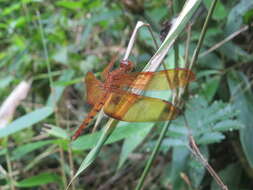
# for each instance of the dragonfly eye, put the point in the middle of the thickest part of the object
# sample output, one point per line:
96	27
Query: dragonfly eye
126	65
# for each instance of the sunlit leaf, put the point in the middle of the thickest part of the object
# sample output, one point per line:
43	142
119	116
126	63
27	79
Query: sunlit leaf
133	141
38	180
26	121
27	148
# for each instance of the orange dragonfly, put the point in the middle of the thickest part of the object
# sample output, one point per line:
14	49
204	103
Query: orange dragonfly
120	104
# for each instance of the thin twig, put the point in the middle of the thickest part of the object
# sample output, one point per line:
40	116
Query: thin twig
196	152
61	152
70	156
8	160
62	160
187	45
227	39
202	34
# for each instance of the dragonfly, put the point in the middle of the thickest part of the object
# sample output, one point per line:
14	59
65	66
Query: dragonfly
114	97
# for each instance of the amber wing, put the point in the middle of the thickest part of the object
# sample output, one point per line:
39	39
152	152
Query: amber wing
160	80
93	88
135	108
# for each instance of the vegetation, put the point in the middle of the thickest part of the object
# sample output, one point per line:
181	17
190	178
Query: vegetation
47	47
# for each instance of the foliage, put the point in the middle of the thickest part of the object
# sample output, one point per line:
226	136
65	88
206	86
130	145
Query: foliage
55	43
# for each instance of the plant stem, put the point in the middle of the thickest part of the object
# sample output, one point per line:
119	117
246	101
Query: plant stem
202	34
44	43
8	160
152	157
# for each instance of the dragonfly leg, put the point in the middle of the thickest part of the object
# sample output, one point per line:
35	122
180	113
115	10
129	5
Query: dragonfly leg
108	68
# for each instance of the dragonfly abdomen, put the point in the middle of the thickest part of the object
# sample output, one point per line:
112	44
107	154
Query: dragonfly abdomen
97	107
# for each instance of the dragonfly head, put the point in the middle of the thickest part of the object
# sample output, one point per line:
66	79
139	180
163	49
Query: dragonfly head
126	65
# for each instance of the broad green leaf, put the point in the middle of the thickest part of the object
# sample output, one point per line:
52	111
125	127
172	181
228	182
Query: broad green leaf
133	141
211	61
40	179
26	121
235	53
88	141
235	17
242	98
178	164
230	176
27	148
157	14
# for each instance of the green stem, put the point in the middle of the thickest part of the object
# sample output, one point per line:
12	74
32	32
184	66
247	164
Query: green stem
9	166
152	157
202	34
44	43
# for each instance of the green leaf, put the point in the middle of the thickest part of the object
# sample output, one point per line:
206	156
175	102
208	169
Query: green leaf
213	137
248	17
210	87
8	10
196	169
230	176
211	61
228	125
133	141
88	160
243	100
57	131
205	121
26	121
178	164
170	142
4	82
125	130
61	55
235	53
72	5
235	17
38	180
68	82
27	148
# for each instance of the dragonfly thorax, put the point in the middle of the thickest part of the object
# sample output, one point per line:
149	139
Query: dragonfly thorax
126	65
